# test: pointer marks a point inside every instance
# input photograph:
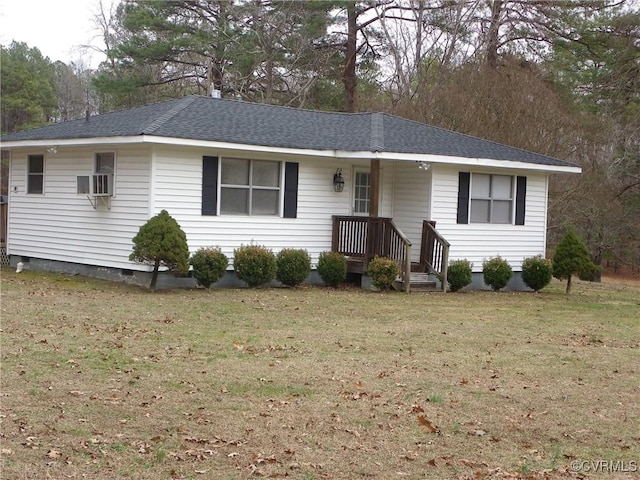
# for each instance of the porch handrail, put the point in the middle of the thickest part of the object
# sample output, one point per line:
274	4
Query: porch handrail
368	237
434	252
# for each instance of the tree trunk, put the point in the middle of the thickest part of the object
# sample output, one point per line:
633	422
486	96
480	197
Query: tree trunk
349	73
493	33
154	276
568	284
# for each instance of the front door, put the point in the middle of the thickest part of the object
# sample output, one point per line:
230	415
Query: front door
361	192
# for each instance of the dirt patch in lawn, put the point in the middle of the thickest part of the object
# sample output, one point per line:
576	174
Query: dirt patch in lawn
104	381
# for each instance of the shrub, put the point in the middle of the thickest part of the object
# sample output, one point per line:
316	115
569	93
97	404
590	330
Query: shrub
294	266
332	268
536	272
209	265
572	258
497	272
459	274
161	241
254	264
383	272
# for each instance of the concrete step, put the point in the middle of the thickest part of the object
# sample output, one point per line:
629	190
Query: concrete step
420	282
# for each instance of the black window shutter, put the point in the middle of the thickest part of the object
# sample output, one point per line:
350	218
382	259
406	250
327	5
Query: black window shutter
521	196
290	190
464	181
209	185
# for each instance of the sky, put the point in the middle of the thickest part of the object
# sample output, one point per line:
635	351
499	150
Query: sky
56	27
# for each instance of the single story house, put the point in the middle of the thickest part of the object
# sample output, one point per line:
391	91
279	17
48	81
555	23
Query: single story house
233	173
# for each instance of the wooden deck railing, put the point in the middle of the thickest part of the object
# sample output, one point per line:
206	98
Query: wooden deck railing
368	237
434	253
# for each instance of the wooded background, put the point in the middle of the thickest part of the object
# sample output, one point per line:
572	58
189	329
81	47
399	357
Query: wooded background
557	77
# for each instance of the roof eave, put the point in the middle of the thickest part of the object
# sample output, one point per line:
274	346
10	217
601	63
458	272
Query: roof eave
464	161
71	142
337	154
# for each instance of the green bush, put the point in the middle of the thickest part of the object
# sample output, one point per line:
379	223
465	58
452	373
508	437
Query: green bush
383	271
459	274
593	274
332	268
161	241
209	265
497	272
254	264
572	258
294	266
536	272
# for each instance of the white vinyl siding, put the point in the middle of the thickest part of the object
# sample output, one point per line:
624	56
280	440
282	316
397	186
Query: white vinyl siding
411	196
479	241
62	225
178	189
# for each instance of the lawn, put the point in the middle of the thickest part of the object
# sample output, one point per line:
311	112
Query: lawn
104	381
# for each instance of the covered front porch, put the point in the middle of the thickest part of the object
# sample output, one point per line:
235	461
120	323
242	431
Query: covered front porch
361	239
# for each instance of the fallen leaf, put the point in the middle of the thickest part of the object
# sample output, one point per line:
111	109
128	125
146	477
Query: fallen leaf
422	420
6	451
53	454
432	462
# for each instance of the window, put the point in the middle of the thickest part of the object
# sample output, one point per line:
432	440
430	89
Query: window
105	162
491	198
484	198
249	187
82	184
361	193
35	174
101	182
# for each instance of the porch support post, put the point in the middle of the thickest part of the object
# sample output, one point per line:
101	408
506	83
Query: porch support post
375	188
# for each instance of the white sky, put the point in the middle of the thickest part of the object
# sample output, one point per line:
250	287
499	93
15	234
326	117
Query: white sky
56	27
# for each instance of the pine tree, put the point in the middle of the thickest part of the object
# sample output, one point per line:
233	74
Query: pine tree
161	241
571	258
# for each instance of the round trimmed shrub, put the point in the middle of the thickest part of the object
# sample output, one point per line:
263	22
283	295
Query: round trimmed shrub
332	268
459	274
294	266
254	264
383	271
536	272
497	272
209	265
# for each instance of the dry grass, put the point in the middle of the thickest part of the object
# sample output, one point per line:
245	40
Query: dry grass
106	381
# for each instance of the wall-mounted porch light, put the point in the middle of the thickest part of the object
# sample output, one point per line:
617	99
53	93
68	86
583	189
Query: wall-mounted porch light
424	165
338	181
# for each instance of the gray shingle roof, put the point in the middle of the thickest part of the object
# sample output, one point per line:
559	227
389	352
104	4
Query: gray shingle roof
232	121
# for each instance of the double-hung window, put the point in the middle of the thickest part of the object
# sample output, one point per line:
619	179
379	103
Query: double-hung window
101	182
35	174
249	187
105	162
491	198
485	198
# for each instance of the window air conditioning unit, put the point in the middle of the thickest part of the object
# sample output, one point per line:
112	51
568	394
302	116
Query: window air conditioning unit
101	185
